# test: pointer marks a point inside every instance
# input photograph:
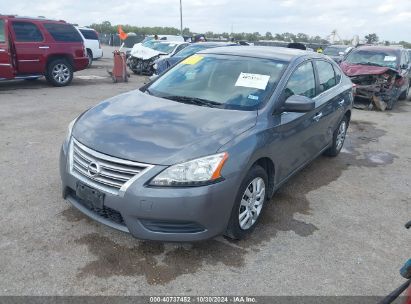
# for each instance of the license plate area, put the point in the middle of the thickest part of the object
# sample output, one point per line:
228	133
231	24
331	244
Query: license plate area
90	196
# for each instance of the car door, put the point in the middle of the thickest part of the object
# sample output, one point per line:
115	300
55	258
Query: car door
295	137
29	46
330	102
6	66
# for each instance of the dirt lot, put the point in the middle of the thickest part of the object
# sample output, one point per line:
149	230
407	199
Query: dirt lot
337	228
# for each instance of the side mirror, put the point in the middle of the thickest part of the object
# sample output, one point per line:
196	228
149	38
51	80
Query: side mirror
405	67
298	103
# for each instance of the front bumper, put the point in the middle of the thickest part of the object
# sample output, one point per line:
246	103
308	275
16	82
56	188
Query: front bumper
154	213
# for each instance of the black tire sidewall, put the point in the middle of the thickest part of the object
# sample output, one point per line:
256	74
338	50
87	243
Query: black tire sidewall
90	58
233	229
49	75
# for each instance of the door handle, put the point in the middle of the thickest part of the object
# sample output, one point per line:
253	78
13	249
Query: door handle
318	116
341	103
44	47
2	50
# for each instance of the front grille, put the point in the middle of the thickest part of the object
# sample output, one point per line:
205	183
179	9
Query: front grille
102	171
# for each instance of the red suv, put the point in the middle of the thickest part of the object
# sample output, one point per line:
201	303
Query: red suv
35	47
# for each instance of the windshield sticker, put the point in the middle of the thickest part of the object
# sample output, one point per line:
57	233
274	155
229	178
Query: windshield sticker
256	81
172	44
253	97
192	59
390	58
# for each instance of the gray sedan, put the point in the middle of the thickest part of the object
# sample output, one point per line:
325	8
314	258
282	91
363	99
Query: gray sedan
199	151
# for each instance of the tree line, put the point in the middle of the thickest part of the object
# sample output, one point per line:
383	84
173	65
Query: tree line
107	28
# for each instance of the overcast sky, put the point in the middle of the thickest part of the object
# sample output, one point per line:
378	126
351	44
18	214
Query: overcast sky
390	19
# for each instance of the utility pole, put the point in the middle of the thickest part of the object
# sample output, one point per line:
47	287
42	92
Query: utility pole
181	18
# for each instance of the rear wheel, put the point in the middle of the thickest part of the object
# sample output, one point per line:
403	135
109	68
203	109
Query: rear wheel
90	58
249	203
59	73
338	138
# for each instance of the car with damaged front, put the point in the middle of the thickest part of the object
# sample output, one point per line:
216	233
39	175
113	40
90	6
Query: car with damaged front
199	151
380	74
143	56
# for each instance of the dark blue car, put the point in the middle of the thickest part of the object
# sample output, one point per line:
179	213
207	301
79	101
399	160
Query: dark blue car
163	64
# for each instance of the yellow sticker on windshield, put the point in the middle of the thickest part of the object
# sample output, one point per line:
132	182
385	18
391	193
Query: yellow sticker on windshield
192	59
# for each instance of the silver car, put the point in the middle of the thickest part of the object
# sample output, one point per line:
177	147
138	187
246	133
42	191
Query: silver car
199	151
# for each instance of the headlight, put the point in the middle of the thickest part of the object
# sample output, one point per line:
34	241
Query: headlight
69	130
196	172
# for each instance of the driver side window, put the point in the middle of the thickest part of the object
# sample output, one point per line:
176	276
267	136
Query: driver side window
301	82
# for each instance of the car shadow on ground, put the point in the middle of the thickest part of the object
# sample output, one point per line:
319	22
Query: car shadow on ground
161	262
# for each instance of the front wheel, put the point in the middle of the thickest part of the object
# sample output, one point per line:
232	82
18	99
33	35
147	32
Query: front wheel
338	138
59	73
249	203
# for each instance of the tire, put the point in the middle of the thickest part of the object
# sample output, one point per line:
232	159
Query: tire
90	58
404	95
391	102
255	178
338	138
59	73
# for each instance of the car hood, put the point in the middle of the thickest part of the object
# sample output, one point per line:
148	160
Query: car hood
358	69
142	52
139	127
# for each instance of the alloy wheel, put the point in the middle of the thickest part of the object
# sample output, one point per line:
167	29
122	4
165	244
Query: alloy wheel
61	73
342	130
251	203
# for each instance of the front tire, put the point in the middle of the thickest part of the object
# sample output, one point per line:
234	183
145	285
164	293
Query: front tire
249	203
338	138
59	73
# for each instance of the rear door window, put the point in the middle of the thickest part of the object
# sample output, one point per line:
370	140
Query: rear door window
301	82
26	32
326	75
63	32
2	31
89	34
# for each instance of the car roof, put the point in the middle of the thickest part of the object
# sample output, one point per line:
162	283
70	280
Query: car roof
266	52
84	28
171	41
15	17
339	46
379	48
213	43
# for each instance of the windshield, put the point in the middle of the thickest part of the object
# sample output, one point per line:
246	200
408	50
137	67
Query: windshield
230	82
150	43
334	51
190	50
370	57
164	47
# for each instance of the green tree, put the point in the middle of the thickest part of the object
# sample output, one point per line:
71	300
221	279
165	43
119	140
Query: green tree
269	36
371	38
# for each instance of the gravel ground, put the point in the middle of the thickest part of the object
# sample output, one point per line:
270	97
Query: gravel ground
336	228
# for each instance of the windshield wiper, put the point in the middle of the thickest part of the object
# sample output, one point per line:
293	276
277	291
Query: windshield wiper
195	101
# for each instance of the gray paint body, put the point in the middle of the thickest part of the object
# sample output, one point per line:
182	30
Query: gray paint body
139	127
